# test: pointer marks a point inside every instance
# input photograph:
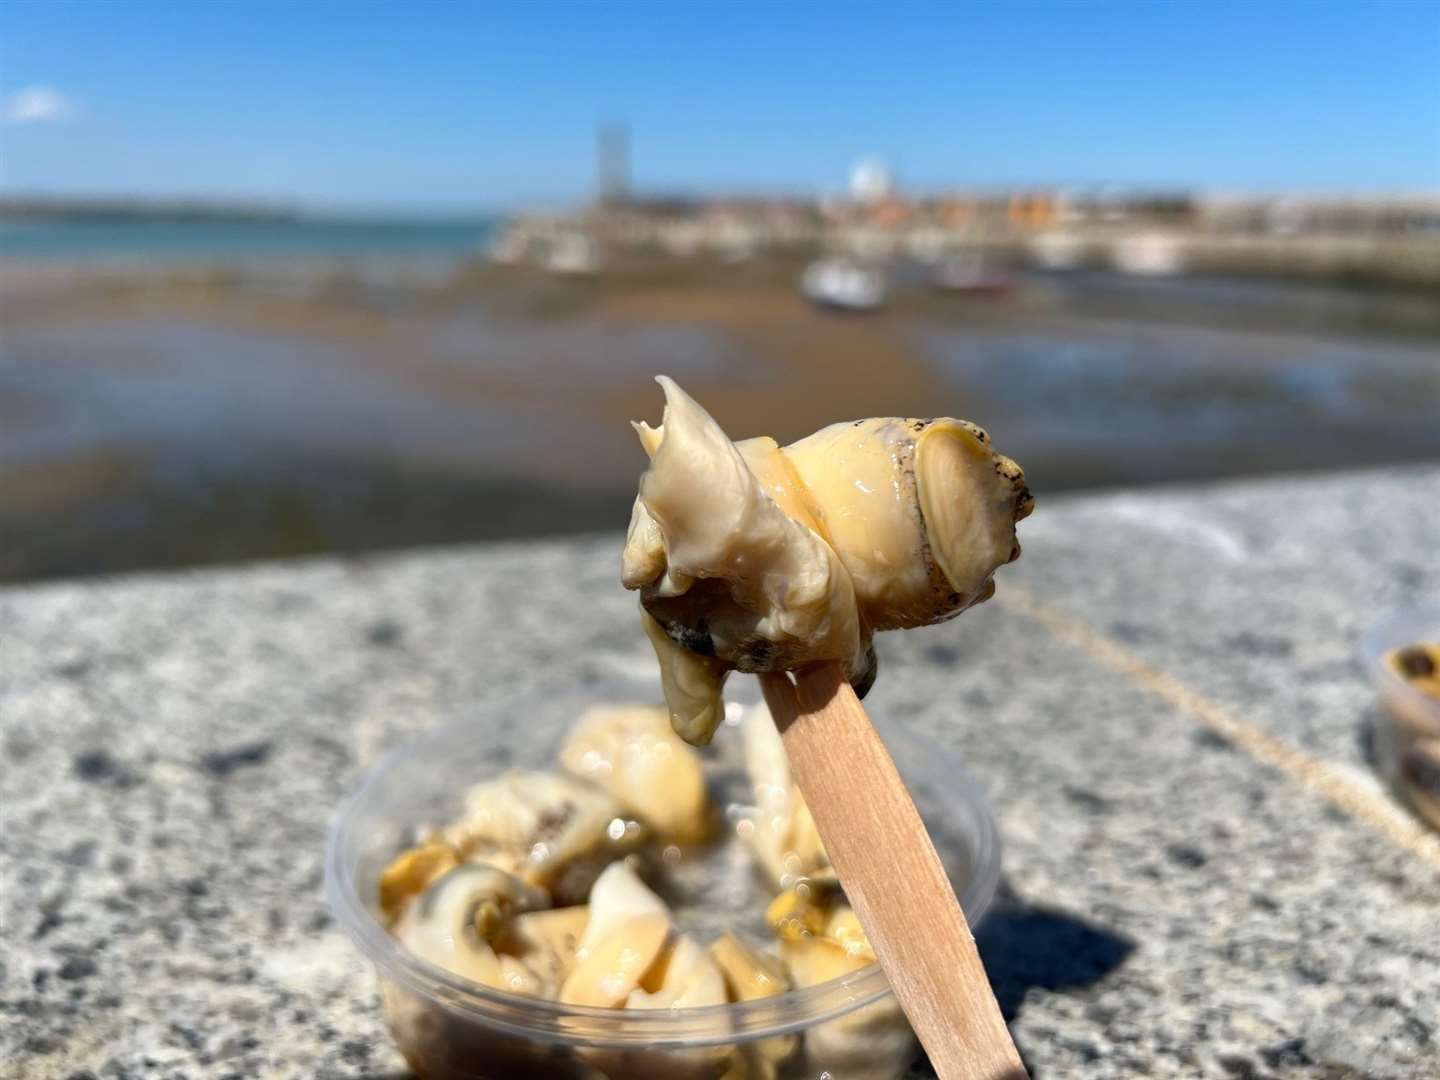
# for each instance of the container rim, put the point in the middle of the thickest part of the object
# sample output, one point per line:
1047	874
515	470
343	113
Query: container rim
1401	626
537	1018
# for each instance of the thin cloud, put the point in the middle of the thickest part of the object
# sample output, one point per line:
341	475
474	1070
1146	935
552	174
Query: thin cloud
36	105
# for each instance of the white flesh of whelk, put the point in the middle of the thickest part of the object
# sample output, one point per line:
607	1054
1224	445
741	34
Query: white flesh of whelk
631	956
618	897
553	830
772	592
453	922
633	753
624	950
782	832
856	1041
754	557
628	929
546	942
411	871
684	977
751	975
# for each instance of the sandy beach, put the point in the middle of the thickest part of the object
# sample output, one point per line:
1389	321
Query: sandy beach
219	411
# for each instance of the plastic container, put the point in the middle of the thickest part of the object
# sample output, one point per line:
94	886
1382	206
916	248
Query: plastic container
447	1026
1407	738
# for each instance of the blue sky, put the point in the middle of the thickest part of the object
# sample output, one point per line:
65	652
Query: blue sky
450	105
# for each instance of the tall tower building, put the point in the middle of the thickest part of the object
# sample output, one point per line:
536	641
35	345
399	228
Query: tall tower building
612	159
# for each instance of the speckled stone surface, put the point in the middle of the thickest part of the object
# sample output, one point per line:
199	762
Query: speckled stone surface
173	747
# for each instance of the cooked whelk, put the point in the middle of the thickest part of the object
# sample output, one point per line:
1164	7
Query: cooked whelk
410	872
781	830
546	942
815	911
1408	747
820	940
553	830
454	921
755	557
922	512
749	973
724	571
1418	665
683	977
634	754
628	929
692	683
608	972
632	957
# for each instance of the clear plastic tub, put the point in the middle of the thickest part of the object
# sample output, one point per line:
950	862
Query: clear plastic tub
447	1026
1407	738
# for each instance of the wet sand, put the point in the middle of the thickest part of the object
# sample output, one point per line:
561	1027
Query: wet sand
212	415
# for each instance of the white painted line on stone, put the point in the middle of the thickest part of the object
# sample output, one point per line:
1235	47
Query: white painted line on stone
1327	781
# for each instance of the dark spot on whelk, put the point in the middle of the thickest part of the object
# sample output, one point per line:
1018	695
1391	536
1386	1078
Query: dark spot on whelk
695	638
222	763
866	679
1415	663
554	820
757	654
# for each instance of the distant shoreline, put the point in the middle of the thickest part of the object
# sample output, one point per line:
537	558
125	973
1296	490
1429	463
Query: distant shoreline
119	209
204	413
151	242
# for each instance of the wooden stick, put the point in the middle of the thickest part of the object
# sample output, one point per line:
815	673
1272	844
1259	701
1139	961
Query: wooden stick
891	873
